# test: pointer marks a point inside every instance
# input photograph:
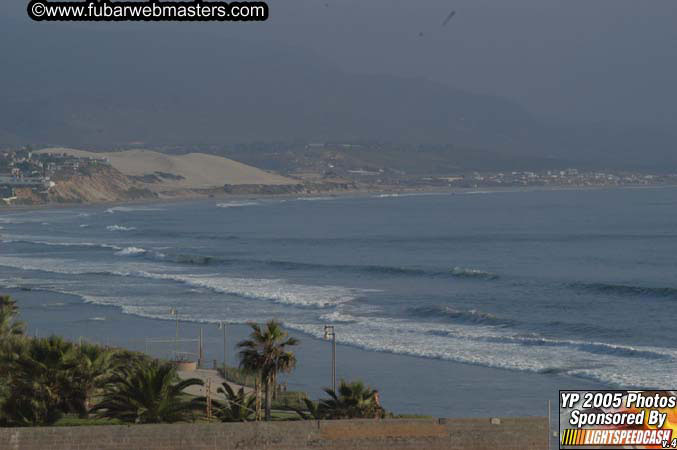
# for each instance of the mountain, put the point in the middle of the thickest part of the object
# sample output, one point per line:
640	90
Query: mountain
75	86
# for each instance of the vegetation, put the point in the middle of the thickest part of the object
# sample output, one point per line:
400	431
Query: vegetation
148	392
237	407
51	381
266	353
9	326
43	382
354	400
239	376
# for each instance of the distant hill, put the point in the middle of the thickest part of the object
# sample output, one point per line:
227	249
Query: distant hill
159	172
69	86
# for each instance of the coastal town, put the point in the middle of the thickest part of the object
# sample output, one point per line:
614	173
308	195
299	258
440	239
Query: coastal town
27	173
23	169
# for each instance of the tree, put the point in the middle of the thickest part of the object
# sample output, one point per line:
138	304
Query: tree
9	326
237	407
354	400
148	392
312	409
41	383
92	366
265	353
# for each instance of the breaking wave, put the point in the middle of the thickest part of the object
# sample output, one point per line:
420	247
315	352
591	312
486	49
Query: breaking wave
236	204
130	251
275	290
315	199
119	228
338	317
463	272
28	240
500	348
466	316
628	290
202	260
131	209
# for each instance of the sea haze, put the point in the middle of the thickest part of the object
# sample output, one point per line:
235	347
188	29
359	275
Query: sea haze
562	282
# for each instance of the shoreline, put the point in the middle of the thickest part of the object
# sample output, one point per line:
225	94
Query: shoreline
451	389
350	193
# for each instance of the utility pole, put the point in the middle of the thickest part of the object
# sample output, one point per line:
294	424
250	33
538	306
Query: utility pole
200	350
549	425
175	313
208	395
329	332
222	326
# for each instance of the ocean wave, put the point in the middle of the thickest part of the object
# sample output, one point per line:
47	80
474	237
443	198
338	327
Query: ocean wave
467	316
29	240
180	258
275	290
487	346
236	204
119	228
597	348
463	272
116	209
627	290
202	260
130	251
315	199
338	317
84	225
412	194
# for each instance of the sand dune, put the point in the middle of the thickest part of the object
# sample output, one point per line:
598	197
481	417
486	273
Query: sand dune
199	170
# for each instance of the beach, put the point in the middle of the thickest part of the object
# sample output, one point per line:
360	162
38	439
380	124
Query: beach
472	304
451	389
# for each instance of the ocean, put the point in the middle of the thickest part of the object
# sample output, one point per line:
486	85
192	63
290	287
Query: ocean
572	285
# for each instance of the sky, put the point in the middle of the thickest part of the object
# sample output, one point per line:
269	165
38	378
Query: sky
574	60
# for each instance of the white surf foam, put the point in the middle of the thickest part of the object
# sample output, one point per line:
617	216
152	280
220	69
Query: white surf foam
130	251
40	240
119	228
338	317
127	209
315	199
492	347
236	204
276	290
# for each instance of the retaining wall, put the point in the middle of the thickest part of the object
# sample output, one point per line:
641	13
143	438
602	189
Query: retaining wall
430	434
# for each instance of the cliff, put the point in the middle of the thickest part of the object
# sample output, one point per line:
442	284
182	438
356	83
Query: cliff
98	185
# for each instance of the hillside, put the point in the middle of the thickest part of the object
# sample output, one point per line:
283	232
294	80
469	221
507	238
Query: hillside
162	173
167	90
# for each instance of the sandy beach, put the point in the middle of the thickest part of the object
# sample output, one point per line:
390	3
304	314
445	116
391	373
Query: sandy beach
453	389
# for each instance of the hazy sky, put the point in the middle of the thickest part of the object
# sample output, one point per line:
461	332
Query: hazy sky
577	60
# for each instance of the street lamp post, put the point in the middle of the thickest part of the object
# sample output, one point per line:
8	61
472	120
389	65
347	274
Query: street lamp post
175	313
329	332
222	326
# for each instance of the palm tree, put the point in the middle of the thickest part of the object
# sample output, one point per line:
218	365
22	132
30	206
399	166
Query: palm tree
148	392
353	400
93	366
237	407
40	382
8	312
313	411
265	353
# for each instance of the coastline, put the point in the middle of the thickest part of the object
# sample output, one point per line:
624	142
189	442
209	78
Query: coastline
452	389
348	193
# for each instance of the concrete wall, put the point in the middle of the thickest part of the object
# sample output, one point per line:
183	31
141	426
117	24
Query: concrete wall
471	434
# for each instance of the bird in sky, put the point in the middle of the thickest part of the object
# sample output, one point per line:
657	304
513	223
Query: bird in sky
448	18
